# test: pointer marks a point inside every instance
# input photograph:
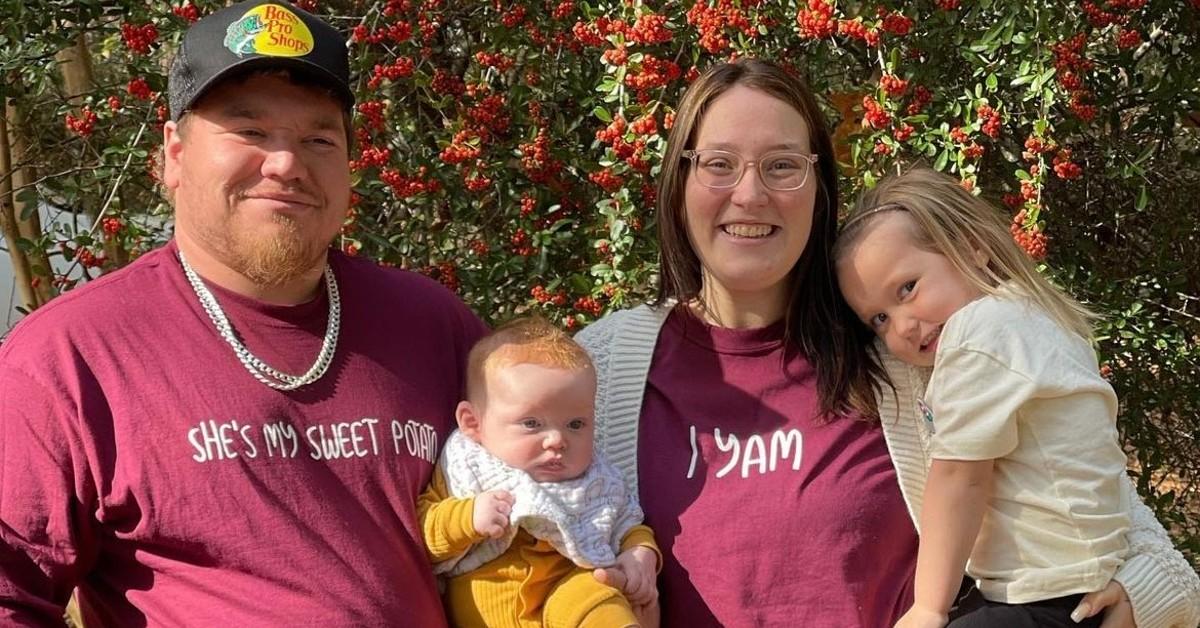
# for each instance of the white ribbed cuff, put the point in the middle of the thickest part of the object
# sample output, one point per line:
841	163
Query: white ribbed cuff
1157	600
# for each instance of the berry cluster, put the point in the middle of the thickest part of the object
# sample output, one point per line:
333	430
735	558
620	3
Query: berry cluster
541	295
528	205
606	179
89	259
405	187
187	11
446	273
893	85
498	60
645	125
613	132
1100	18
1064	167
371	156
139	37
402	67
970	148
654	73
1030	238
140	89
588	305
711	19
816	21
989	121
874	114
615	56
520	244
1035	146
856	29
84	124
896	23
921	97
372	113
111	226
513	17
1128	38
536	160
1071	64
463	147
475	180
649	29
489	115
446	83
563	10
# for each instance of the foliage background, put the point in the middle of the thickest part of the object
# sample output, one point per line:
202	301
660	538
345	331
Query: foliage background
510	149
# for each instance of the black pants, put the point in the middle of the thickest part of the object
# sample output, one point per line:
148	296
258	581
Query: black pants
1055	613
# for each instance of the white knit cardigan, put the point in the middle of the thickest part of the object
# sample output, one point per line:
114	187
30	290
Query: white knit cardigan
1163	587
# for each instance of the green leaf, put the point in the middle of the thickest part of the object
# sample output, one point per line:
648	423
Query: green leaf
1143	199
1043	77
992	82
602	113
942	159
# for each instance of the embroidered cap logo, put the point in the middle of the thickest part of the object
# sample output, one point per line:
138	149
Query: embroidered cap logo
271	30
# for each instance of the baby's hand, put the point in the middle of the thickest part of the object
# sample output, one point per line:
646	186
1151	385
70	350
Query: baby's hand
491	513
638	564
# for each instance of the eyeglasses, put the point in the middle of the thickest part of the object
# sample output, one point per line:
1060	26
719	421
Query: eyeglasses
721	169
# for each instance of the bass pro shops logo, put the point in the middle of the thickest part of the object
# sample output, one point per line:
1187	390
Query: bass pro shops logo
271	30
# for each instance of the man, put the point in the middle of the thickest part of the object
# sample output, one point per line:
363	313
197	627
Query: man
234	429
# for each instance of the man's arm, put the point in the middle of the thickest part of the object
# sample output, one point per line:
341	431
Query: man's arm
46	542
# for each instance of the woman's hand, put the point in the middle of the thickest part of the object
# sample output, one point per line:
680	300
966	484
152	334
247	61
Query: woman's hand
1119	613
634	574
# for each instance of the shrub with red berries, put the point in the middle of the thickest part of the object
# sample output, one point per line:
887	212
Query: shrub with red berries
503	146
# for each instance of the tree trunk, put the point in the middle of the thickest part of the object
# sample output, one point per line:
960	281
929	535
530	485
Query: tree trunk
8	225
29	222
75	63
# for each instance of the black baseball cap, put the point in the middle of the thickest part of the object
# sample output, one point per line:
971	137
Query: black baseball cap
257	35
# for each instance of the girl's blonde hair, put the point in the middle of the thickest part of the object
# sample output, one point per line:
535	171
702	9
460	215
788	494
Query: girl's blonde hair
962	227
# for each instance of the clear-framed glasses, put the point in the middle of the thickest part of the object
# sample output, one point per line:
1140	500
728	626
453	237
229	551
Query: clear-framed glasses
720	169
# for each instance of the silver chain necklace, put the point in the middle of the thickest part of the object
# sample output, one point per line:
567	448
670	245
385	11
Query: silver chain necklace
259	369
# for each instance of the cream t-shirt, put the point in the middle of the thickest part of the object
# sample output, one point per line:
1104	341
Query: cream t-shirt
1010	384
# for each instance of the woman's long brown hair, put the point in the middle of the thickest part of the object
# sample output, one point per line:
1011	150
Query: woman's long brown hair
818	322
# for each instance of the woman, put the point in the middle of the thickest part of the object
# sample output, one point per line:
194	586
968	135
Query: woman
740	406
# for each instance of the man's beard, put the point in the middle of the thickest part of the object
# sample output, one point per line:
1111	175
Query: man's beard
268	259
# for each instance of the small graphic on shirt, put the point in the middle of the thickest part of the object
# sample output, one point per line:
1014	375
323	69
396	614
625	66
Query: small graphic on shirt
756	454
926	414
366	437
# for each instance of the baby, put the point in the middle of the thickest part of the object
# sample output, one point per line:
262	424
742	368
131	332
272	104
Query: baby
521	511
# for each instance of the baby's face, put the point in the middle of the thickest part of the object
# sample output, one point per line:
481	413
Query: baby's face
540	420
